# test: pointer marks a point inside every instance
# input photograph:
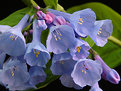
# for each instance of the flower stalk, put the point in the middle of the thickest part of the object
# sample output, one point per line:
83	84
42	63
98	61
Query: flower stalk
115	40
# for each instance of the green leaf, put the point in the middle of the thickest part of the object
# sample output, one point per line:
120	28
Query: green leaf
111	52
51	3
89	41
15	17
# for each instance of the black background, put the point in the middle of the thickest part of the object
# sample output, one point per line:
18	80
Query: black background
9	6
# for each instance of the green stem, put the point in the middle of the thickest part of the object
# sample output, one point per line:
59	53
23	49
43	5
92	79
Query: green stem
35	4
115	40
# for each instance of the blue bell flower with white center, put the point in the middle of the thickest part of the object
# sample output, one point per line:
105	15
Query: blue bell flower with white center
86	72
36	53
103	29
12	41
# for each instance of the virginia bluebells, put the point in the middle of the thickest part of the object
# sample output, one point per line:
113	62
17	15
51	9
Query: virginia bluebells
12	41
36	53
86	72
63	64
23	62
61	36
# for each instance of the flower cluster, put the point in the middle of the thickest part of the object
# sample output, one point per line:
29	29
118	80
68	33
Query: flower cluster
24	68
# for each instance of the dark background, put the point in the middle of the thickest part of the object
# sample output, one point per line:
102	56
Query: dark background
9	6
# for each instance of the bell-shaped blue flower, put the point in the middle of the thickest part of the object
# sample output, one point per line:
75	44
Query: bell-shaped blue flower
12	41
61	36
108	74
63	64
36	53
103	29
80	51
37	75
82	21
86	72
14	73
95	87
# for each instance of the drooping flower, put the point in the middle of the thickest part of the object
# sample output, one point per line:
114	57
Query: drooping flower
82	21
14	73
86	72
108	74
61	36
95	87
81	50
63	64
36	53
37	75
103	29
12	41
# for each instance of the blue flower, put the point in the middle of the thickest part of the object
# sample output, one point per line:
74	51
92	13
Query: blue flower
36	53
2	58
37	75
86	72
14	73
95	87
61	36
63	64
108	74
12	41
103	29
82	21
80	51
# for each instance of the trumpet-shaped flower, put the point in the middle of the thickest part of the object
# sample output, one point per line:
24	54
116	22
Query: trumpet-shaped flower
108	74
103	29
36	53
81	50
86	72
61	36
14	72
12	41
63	64
82	21
37	75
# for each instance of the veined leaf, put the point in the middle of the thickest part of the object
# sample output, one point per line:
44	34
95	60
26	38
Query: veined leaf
111	52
